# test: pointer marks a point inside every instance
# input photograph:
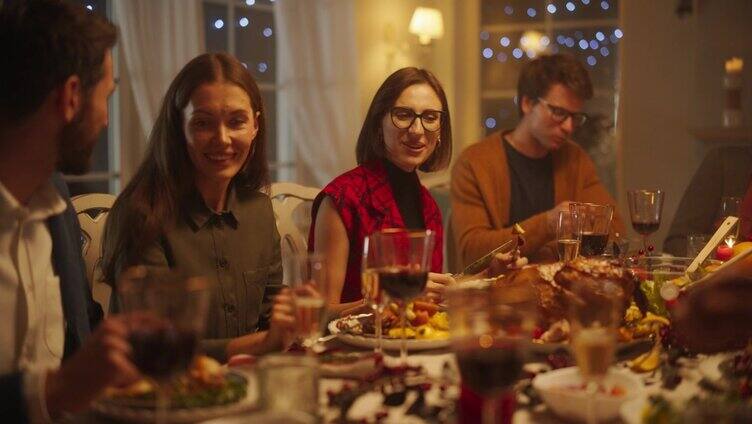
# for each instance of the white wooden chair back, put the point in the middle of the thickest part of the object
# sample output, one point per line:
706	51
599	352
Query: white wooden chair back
292	210
92	210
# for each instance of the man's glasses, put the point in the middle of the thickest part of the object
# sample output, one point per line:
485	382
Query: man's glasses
559	114
403	118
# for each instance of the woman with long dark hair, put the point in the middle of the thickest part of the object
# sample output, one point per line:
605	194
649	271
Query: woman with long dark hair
198	203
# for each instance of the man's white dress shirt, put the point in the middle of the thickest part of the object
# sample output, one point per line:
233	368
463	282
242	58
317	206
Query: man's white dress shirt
32	334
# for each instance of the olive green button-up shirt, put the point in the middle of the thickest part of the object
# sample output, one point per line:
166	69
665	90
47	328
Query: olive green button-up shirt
238	250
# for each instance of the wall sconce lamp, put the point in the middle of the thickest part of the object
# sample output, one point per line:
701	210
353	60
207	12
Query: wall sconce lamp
427	24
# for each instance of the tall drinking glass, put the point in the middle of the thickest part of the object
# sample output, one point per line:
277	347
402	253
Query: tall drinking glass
306	276
402	259
595	225
166	317
371	291
568	235
645	208
491	329
594	315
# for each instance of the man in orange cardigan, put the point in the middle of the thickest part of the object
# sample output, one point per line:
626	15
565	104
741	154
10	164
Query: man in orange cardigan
529	174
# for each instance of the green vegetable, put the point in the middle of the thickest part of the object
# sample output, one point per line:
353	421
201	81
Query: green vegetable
652	291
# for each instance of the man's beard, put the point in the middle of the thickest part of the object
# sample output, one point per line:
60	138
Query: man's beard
77	144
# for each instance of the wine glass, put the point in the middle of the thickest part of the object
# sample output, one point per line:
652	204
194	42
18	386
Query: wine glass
645	207
568	235
306	277
371	292
402	260
491	329
166	316
595	225
594	316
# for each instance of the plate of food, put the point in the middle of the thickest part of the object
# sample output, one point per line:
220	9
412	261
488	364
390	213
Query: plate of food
427	328
208	390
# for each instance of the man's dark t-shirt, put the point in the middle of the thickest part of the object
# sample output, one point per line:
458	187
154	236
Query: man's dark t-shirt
531	183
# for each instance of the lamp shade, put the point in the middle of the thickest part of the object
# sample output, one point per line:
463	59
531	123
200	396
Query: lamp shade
427	24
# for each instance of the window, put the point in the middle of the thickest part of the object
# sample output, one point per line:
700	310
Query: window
245	29
514	31
104	176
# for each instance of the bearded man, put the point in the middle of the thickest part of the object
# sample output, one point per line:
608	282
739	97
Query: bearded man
55	81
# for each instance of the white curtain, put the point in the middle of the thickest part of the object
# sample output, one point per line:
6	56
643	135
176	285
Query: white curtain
156	39
318	91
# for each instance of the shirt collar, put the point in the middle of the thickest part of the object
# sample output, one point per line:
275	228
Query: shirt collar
201	215
43	203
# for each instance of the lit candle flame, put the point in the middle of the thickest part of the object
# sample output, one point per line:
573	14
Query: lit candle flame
734	65
730	241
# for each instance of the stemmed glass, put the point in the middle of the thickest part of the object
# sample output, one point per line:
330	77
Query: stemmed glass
491	329
594	316
402	260
371	292
595	225
568	236
306	277
645	207
166	316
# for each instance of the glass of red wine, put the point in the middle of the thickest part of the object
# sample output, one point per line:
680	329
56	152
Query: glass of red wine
491	328
402	259
645	207
595	226
166	317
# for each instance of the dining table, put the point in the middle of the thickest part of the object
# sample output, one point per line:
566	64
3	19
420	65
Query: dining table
435	371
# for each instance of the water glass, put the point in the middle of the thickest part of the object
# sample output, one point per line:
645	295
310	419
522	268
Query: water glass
695	243
289	383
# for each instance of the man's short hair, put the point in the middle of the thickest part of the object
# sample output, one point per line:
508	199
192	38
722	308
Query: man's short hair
44	42
541	73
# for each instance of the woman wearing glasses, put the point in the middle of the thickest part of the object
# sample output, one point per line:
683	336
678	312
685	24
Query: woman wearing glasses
407	128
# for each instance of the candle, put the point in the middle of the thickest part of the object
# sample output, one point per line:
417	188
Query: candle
734	65
723	252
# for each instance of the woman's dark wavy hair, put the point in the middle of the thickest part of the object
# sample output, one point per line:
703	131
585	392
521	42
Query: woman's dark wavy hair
371	140
152	201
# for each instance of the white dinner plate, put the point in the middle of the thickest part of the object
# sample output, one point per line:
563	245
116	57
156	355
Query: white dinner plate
182	415
386	343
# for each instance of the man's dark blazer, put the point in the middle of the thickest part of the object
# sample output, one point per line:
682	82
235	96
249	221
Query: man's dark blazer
79	309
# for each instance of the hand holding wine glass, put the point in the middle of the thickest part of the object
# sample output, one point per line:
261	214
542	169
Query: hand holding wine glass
166	317
645	207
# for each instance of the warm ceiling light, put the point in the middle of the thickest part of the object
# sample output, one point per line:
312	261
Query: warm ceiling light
427	24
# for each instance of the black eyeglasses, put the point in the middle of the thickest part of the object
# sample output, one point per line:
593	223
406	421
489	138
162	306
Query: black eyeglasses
403	118
559	114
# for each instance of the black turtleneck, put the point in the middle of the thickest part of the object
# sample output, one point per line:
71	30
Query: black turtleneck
406	189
